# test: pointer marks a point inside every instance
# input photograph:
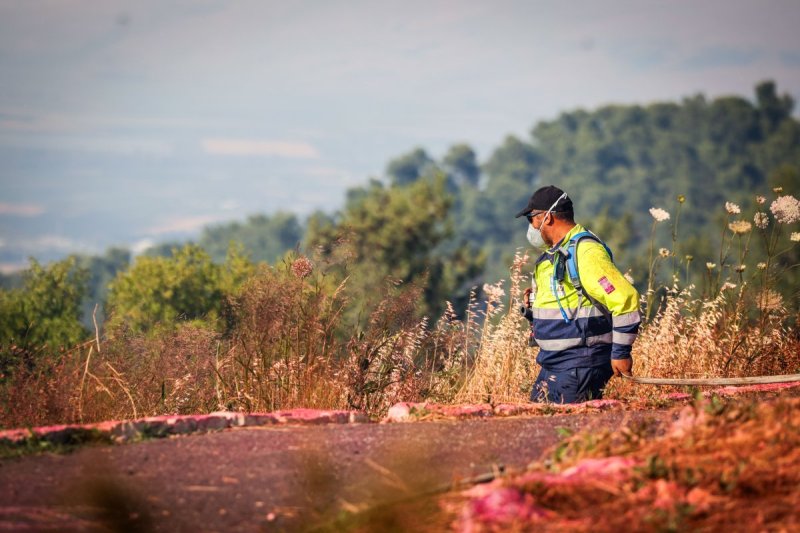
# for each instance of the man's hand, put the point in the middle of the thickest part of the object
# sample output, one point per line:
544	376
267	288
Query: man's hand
622	366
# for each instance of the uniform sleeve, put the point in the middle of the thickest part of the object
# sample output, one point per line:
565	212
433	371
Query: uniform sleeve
605	283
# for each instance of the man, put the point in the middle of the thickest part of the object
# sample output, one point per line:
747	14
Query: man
584	334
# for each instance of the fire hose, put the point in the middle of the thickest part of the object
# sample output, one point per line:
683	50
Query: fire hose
755	380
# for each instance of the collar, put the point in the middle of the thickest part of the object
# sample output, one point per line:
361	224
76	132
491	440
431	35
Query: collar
577	228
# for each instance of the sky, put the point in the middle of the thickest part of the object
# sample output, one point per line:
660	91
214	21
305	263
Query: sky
127	123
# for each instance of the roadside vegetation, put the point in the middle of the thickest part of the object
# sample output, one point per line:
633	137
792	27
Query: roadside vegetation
719	466
387	300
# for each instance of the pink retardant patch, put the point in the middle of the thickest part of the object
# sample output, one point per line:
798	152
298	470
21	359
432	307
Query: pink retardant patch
602	404
611	468
42	430
677	396
317	416
504	506
407	411
165	425
260	419
106	426
14	435
764	387
607	285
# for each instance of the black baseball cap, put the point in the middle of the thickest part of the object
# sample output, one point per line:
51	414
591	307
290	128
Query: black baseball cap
544	198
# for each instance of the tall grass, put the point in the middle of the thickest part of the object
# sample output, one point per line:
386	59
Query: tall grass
737	322
286	343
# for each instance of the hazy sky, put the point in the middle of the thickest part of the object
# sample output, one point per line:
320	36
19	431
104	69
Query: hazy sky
133	122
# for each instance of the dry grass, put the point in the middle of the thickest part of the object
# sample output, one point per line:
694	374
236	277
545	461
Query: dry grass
728	336
284	348
281	350
503	367
285	343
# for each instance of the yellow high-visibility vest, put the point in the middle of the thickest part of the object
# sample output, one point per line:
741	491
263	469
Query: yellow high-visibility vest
590	335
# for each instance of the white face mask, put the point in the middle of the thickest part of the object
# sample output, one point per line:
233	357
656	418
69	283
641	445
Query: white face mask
535	235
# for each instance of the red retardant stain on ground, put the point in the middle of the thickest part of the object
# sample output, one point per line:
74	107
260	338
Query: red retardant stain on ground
719	467
500	505
165	425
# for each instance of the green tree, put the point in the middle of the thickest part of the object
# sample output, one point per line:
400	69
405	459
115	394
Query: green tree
264	238
45	311
160	291
461	163
410	167
394	233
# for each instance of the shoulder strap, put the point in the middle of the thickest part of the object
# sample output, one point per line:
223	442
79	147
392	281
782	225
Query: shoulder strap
572	255
572	266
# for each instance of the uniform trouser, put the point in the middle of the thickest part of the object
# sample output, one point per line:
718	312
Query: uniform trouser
571	386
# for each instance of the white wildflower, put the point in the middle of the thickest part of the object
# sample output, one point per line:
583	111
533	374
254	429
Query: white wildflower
786	209
659	214
795	236
732	208
777	190
761	266
740	268
627	276
663	252
740	227
711	266
727	285
760	200
761	220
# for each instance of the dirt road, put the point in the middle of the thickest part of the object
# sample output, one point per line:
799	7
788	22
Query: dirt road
267	478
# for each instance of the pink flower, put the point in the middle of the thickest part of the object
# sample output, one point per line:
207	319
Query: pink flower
786	209
302	267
